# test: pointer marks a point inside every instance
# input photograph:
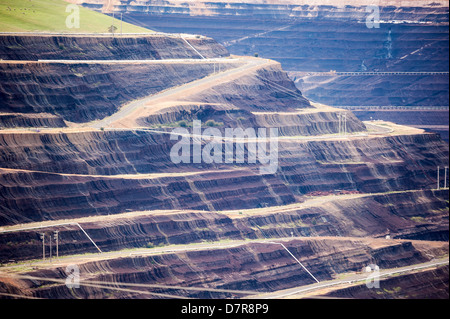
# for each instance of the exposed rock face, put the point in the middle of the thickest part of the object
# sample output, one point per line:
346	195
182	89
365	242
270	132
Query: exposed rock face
262	267
293	123
430	120
431	284
378	90
10	120
337	10
320	36
321	42
268	89
308	124
358	165
409	215
85	92
84	196
151	47
375	165
120	184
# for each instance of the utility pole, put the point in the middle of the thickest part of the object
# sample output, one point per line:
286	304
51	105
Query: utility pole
445	176
121	23
339	117
43	245
345	124
438	184
56	240
50	241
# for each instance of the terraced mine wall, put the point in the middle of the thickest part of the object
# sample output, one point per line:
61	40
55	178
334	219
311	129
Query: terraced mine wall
11	120
142	47
319	43
262	267
283	10
288	123
415	215
74	172
430	284
407	91
431	121
314	38
85	92
122	187
267	89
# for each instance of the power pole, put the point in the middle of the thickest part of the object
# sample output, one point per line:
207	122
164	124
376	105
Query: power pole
445	176
50	241
43	245
342	123
56	240
345	124
438	184
339	117
120	23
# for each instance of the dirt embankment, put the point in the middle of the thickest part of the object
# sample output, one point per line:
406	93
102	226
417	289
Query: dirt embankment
151	47
86	92
408	215
75	173
429	284
262	268
339	10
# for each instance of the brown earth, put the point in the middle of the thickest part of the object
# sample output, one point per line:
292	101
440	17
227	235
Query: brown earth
338	196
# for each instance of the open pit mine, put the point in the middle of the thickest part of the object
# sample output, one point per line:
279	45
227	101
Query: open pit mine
89	191
396	70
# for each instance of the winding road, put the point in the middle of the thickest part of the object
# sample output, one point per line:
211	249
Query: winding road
352	279
185	89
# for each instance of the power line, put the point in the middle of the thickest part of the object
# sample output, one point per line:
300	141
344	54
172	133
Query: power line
282	88
56	237
438	181
54	225
275	243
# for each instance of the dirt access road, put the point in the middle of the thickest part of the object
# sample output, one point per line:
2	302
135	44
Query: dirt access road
132	109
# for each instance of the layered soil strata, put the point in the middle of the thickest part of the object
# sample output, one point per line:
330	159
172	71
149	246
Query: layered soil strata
263	267
430	284
323	36
344	199
86	92
405	215
121	47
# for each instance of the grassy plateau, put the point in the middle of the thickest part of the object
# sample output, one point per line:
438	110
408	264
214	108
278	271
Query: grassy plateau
51	15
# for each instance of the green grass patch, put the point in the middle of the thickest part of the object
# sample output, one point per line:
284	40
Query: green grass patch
51	15
418	219
212	123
